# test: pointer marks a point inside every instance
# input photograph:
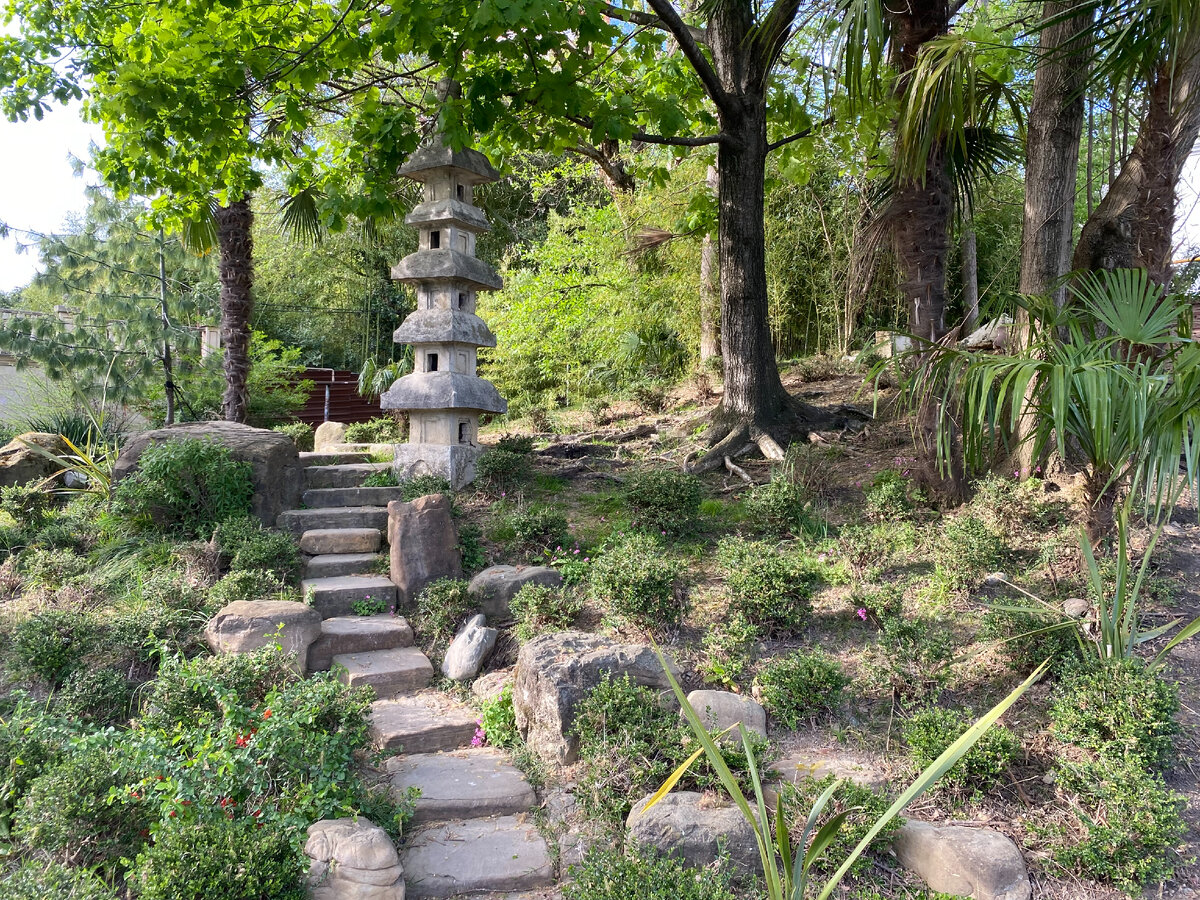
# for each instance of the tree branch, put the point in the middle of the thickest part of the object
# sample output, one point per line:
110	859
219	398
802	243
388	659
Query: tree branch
588	122
799	135
773	34
636	17
691	51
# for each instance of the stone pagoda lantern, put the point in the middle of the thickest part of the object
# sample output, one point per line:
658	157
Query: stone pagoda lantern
443	396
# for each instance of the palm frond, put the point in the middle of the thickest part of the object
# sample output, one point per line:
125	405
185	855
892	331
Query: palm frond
300	216
200	231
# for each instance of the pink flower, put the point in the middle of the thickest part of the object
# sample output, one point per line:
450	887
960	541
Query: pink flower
480	736
862	614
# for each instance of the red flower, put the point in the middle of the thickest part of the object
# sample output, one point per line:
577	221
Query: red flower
267	714
171	814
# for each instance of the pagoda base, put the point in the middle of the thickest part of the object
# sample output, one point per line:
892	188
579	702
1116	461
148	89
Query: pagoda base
454	462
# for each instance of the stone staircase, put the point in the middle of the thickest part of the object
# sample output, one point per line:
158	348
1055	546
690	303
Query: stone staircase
472	829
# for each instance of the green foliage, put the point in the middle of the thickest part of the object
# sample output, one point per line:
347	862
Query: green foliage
911	658
769	589
301	433
929	732
31	740
102	696
36	880
640	874
781	506
1130	827
247	584
862	806
369	606
516	443
423	486
441	608
499	721
966	549
52	568
47	644
663	500
542	608
1030	636
634	580
219	857
470	546
887	497
247	545
801	686
1009	504
380	430
728	650
185	487
501	470
537	527
27	504
1123	709
384	478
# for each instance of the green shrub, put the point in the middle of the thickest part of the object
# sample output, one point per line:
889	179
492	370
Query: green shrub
1024	637
865	807
185	487
869	549
966	549
301	433
1009	504
663	500
28	504
380	430
169	589
769	589
640	874
801	686
233	859
48	644
502	470
887	498
38	880
423	486
929	732
101	696
499	721
1120	708
538	526
1130	824
441	608
911	658
652	398
247	584
13	538
541	608
246	545
728	650
66	812
52	568
385	478
31	740
781	506
636	581
516	443
470	546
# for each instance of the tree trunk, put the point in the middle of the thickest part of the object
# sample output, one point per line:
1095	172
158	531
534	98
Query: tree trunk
710	289
236	270
970	278
920	215
165	320
1132	226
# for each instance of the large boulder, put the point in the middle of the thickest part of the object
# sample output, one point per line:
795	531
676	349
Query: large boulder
556	671
424	544
964	861
494	587
248	625
21	463
275	465
696	829
722	710
352	859
469	650
328	434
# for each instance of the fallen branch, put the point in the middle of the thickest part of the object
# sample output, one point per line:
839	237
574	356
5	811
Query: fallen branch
768	445
738	471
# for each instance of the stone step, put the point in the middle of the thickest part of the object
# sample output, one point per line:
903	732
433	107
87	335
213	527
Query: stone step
497	855
357	634
325	458
391	672
425	723
331	565
466	784
336	596
324	498
318	477
298	521
318	542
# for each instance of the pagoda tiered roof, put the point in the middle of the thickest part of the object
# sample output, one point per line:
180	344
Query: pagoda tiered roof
447	266
444	326
444	391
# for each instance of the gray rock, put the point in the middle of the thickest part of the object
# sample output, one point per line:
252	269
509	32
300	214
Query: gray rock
352	859
469	650
492	685
494	587
818	763
719	710
1076	607
695	828
327	435
20	463
275	464
468	784
248	625
477	856
424	544
968	862
555	671
995	579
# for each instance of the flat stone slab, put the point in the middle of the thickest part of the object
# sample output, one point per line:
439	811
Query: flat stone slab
691	827
340	541
336	596
721	710
334	565
353	475
467	784
964	861
298	521
390	672
476	856
425	723
357	634
324	458
324	498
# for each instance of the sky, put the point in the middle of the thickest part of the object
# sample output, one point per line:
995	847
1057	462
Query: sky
39	190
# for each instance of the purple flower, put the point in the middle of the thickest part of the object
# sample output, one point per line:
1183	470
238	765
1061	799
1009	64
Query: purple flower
862	614
480	736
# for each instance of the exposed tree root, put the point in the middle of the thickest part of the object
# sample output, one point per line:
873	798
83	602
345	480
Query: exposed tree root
738	471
